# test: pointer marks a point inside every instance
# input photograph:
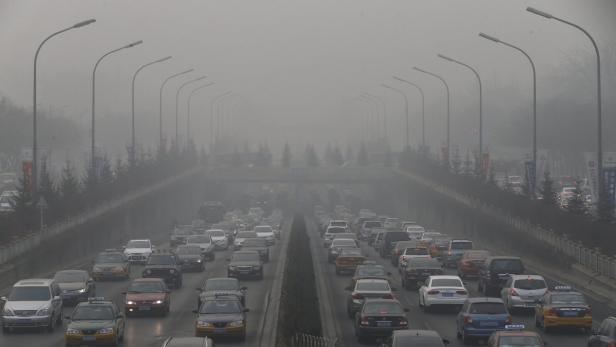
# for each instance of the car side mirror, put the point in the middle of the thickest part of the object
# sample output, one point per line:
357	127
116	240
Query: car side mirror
199	289
120	315
4	298
389	274
246	310
393	289
124	247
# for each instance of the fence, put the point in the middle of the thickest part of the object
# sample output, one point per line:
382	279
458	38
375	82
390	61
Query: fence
304	340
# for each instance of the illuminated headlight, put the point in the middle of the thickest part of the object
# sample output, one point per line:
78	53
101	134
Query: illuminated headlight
81	291
172	271
158	302
357	301
7	312
203	324
198	260
71	331
105	331
43	312
237	323
130	302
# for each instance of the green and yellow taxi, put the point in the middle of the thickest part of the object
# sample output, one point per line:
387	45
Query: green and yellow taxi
95	322
221	315
110	264
563	307
515	335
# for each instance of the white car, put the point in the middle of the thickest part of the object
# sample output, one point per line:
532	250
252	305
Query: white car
415	231
138	251
32	303
330	232
6	200
410	253
442	291
428	236
523	291
241	236
266	232
219	238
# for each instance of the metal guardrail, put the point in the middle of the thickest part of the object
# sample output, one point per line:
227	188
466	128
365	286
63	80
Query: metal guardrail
305	340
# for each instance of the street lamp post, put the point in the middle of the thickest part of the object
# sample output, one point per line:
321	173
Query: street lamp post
383	106
366	133
212	115
448	126
34	105
533	179
423	109
93	135
480	104
177	106
375	115
132	154
406	110
600	179
160	104
188	109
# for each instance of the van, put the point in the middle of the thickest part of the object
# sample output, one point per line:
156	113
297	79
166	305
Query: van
32	303
390	238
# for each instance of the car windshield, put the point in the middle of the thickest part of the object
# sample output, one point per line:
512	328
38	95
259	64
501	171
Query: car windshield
397	236
223	284
507	265
220	307
380	286
476	255
338	224
488	308
216	233
349	252
567	299
182	231
245	257
377	308
430	235
156	259
373	224
374	270
138	244
344	243
263	229
30	294
424	263
184	250
70	277
519	341
416	251
446	282
93	312
146	287
198	239
246	235
110	258
336	230
462	245
529	284
255	243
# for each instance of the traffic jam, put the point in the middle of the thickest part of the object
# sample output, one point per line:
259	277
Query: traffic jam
218	306
398	271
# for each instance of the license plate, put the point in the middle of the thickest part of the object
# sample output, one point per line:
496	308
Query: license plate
89	338
447	295
383	324
488	324
570	314
144	308
219	330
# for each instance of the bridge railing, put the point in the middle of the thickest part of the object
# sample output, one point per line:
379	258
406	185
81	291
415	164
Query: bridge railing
305	340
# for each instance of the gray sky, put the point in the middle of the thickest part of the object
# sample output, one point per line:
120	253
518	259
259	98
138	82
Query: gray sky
296	65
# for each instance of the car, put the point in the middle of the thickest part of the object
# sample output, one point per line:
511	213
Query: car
138	251
188	342
7	199
221	316
330	232
439	245
345	236
494	272
515	335
339	223
179	234
32	303
95	322
469	263
111	264
417	270
442	290
420	338
604	335
523	291
390	238
480	317
415	231
379	318
392	224
221	285
563	308
257	244
241	236
245	264
367	288
398	249
366	270
337	245
367	226
454	251
374	235
75	286
219	238
205	243
428	236
190	258
266	232
147	295
417	251
348	259
165	266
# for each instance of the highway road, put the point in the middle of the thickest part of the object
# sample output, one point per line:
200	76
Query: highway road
442	321
151	331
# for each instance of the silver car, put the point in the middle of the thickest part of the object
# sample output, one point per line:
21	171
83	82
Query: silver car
523	291
33	303
367	288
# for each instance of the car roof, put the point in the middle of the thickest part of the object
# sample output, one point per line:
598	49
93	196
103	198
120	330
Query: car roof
461	240
148	240
34	282
416	333
82	272
372	280
187	342
445	277
147	279
523	277
484	299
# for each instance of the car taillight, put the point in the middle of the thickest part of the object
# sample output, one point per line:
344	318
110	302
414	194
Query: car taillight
388	296
551	312
461	292
513	292
357	296
364	321
433	292
508	320
468	320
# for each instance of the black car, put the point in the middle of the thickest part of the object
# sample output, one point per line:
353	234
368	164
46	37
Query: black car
379	318
165	266
257	244
418	269
245	264
495	271
389	241
190	258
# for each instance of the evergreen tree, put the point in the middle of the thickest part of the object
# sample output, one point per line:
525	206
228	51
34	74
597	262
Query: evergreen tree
576	204
49	191
286	155
328	155
362	155
349	155
547	189
70	190
337	158
24	206
310	156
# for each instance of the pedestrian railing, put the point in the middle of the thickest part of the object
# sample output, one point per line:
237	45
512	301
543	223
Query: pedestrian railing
305	340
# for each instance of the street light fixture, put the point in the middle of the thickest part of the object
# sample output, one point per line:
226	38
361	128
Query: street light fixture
533	179
34	104
160	104
383	106
600	179
212	115
406	110
93	135
366	132
423	109
448	125
188	109
480	104
375	115
177	106
133	140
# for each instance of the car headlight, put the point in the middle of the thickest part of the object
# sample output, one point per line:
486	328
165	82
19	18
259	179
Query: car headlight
71	331
203	324
105	331
97	269
231	267
118	269
158	302
81	291
7	312
147	272
130	302
43	312
237	323
172	271
198	260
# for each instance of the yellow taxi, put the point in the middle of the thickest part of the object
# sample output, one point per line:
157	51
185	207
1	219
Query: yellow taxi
95	322
348	260
563	308
514	335
110	264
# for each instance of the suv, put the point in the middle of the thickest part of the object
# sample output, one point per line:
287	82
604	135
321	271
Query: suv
495	271
138	251
390	238
245	264
367	227
165	266
33	303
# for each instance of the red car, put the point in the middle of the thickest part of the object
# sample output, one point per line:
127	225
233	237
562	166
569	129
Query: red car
468	266
147	295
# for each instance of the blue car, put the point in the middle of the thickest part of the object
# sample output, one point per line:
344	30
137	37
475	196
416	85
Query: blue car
480	317
455	250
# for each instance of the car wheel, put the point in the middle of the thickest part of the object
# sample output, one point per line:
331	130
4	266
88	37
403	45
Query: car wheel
51	325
